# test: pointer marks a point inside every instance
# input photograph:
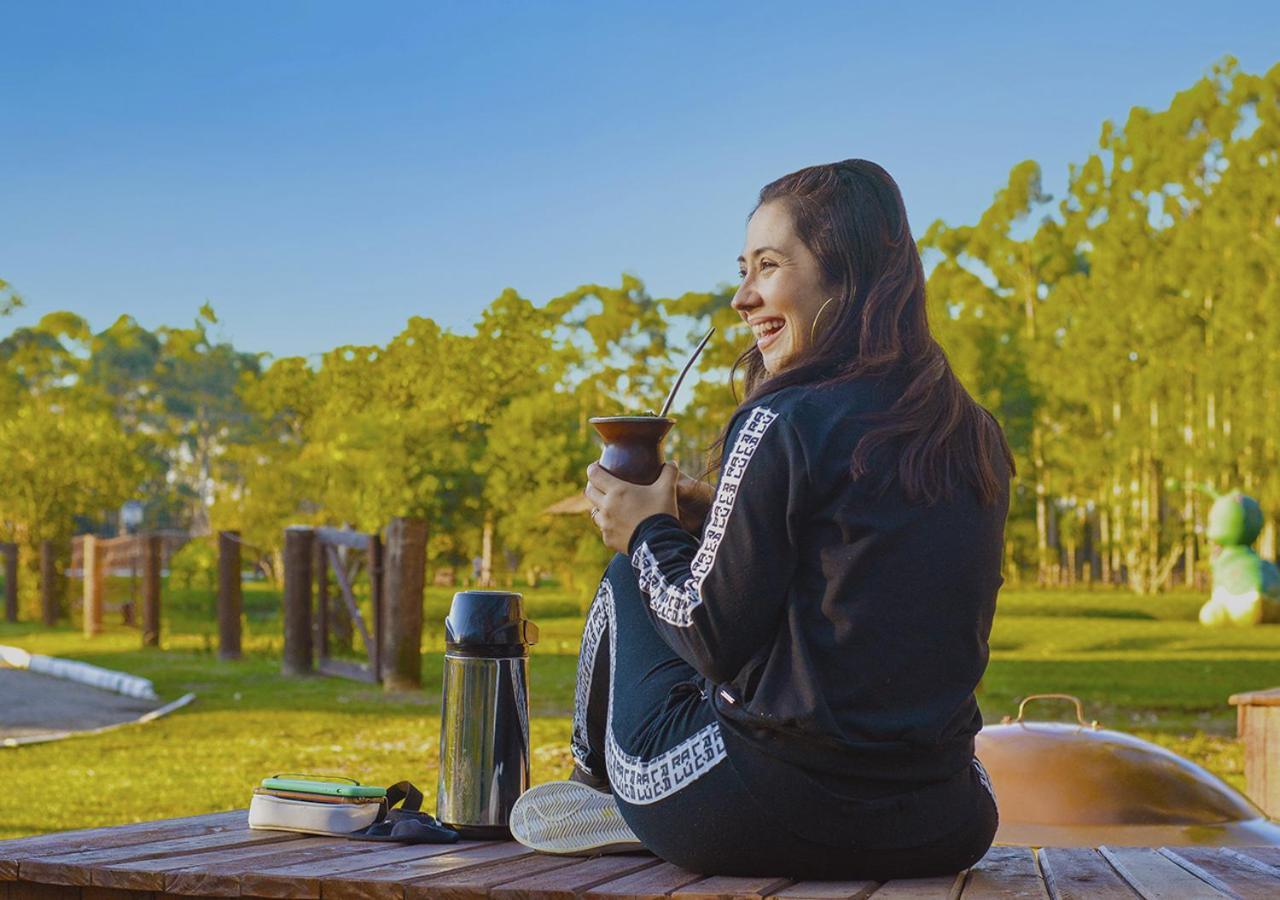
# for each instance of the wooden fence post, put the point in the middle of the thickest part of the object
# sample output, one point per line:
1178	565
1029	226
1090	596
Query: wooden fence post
11	582
378	598
400	643
320	625
92	565
230	596
298	540
49	593
1258	725
151	559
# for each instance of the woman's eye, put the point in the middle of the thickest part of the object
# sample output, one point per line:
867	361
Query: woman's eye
742	273
766	263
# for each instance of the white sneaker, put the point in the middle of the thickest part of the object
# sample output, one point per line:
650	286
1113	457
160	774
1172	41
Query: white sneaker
571	819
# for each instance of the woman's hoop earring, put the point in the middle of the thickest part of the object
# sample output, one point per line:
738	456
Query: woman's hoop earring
814	327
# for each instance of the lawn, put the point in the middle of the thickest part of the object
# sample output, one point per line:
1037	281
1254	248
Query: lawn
1142	665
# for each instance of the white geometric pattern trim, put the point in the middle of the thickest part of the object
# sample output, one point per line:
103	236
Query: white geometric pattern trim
675	603
597	620
642	781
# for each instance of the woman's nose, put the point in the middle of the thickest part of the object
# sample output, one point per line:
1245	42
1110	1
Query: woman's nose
745	299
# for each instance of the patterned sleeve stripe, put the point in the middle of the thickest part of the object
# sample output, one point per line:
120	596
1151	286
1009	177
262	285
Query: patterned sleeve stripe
675	603
597	619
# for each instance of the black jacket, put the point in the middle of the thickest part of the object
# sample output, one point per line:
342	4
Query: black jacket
841	632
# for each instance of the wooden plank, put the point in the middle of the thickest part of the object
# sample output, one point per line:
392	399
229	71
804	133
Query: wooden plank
339	668
150	874
75	868
1256	770
572	881
1269	779
1080	873
647	884
1269	697
474	883
941	887
169	827
730	887
14	851
828	890
1156	877
1005	872
305	879
1268	857
387	882
1225	872
222	878
348	596
354	539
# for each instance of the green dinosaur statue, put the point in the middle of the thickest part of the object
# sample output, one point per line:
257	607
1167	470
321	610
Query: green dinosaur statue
1246	587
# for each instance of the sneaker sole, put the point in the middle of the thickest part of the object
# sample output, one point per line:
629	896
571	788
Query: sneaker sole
571	819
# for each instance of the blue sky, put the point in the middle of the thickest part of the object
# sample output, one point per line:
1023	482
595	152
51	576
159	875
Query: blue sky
322	171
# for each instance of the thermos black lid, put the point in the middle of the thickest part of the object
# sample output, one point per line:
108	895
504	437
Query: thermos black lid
488	623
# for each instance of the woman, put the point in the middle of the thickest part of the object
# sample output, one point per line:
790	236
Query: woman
790	691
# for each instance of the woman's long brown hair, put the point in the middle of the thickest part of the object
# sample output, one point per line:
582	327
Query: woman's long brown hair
851	216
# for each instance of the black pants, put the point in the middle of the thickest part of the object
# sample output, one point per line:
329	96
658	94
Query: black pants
643	716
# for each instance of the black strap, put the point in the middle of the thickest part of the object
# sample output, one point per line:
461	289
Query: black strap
408	824
404	790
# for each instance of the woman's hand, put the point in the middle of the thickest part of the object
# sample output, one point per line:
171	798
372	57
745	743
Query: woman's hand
620	505
694	499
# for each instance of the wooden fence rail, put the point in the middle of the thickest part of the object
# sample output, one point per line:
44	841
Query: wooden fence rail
93	558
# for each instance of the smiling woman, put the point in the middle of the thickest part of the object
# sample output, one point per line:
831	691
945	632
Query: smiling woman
797	673
783	290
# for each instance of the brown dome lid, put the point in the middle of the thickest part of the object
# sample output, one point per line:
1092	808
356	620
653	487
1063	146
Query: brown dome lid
1064	785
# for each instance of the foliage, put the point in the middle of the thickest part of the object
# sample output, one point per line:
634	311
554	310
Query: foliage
1128	334
1122	334
195	565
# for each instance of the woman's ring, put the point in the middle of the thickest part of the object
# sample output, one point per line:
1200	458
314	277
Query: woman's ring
595	510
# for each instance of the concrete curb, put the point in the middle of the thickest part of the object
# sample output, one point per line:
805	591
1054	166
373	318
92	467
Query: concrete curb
84	673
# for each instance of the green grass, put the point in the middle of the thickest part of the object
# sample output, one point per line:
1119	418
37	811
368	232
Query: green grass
1141	665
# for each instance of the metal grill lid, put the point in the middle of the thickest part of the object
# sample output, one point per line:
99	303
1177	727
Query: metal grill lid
1058	784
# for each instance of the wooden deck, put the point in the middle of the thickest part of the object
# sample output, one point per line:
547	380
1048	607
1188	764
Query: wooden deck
218	856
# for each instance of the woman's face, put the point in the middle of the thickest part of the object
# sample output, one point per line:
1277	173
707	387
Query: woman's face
782	287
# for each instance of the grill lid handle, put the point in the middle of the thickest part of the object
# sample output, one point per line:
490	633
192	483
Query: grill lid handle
1076	700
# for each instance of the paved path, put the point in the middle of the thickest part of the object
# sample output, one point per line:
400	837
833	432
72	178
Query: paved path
32	704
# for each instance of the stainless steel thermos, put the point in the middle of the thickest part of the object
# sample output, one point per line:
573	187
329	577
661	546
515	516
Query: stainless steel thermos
484	727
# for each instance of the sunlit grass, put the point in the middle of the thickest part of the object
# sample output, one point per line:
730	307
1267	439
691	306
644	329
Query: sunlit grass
1143	665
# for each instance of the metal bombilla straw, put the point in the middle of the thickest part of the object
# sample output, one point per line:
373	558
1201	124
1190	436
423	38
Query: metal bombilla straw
666	407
